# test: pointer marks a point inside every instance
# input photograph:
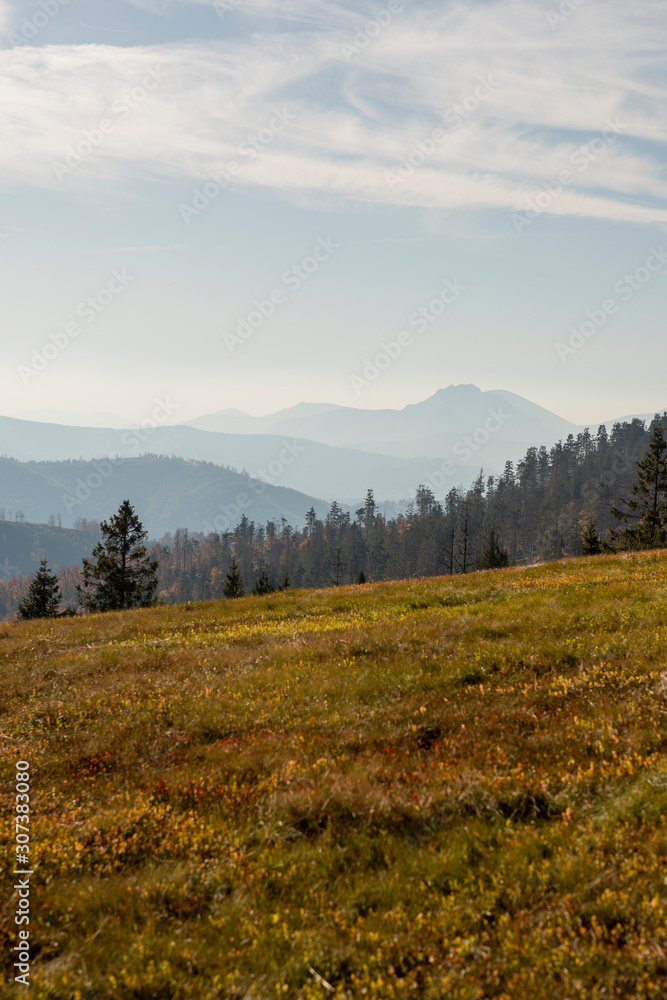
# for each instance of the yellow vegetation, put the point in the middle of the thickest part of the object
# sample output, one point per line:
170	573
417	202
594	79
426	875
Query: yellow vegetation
447	788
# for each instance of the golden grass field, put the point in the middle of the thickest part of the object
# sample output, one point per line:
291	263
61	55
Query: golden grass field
446	788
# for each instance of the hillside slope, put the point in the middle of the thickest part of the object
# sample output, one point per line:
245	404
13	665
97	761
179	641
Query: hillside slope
288	461
23	545
168	493
446	788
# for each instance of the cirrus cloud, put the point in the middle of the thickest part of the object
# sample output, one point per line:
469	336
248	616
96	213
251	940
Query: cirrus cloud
362	104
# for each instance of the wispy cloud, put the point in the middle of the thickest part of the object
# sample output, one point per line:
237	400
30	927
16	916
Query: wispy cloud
356	117
5	15
146	249
323	12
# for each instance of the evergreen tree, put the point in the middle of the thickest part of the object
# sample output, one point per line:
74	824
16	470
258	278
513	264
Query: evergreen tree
262	587
120	573
465	538
234	582
537	508
447	552
494	555
590	543
43	597
361	578
424	501
370	510
647	506
337	569
553	546
311	521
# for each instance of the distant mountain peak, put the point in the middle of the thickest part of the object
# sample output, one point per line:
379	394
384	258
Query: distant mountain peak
463	388
451	396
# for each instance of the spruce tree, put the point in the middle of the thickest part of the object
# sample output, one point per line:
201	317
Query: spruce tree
645	519
43	597
590	542
494	555
361	578
263	586
120	573
337	569
234	582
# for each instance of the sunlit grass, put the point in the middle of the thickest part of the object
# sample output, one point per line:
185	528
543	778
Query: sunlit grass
443	788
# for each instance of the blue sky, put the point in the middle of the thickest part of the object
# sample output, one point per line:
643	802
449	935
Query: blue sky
508	146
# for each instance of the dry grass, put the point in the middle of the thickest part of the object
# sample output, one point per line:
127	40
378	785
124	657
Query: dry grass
445	788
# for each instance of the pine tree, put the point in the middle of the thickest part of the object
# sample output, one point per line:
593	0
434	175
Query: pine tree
337	569
494	555
262	587
361	578
370	510
424	501
43	597
234	582
120	573
553	546
311	521
448	551
590	542
465	535
647	507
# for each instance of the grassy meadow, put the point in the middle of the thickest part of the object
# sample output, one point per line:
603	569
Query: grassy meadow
447	788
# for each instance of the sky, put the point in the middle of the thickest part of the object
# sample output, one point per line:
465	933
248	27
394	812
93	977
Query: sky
248	203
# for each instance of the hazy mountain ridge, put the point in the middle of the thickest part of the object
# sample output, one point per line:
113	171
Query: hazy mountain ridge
299	453
168	493
429	429
283	460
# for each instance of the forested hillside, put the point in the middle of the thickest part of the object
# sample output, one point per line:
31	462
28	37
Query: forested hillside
537	510
22	545
169	492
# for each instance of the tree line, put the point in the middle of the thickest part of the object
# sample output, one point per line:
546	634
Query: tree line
563	501
589	494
